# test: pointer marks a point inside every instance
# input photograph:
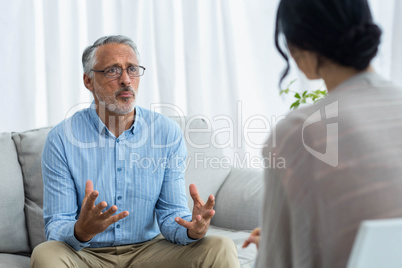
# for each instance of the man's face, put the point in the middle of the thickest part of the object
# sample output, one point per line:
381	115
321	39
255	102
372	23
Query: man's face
114	95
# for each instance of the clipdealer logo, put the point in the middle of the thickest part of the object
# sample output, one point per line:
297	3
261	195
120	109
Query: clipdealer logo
330	156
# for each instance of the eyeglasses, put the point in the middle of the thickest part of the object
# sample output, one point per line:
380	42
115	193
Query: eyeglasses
115	71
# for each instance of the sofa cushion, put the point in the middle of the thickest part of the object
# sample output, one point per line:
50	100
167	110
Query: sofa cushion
14	261
29	145
240	199
13	230
206	174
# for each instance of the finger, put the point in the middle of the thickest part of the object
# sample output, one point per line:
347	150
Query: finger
184	223
90	202
108	213
252	239
255	240
210	203
99	208
89	188
117	217
256	231
208	215
199	221
194	194
246	244
202	222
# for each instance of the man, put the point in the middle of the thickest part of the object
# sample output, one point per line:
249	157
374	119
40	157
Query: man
102	208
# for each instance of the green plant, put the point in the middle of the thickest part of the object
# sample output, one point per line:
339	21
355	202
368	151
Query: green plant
304	97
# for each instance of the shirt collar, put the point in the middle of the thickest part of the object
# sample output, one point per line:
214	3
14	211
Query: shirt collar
135	124
367	78
101	127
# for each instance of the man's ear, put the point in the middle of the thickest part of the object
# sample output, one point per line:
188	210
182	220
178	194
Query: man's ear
88	82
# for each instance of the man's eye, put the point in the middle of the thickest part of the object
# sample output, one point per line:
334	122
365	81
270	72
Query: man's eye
111	70
132	69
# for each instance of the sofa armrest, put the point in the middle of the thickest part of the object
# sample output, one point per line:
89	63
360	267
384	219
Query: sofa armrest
239	200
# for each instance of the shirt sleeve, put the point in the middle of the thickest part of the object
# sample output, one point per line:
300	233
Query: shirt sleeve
275	231
172	201
60	208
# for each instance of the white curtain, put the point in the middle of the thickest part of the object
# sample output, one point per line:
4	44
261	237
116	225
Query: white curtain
207	57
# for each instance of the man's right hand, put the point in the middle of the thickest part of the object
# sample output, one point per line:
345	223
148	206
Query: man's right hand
91	220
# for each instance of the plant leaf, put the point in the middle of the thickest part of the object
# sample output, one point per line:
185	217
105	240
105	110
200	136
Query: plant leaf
294	105
286	91
291	82
305	97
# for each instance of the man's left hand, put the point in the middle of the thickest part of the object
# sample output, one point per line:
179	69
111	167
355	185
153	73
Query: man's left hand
202	215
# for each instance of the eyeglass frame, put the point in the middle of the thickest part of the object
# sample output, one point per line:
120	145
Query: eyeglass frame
104	73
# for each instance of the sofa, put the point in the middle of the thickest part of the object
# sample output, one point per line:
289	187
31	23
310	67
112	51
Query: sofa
238	191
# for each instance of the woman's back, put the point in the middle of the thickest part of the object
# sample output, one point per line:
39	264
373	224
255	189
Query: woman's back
343	165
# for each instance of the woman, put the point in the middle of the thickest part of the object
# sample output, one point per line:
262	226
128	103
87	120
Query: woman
344	154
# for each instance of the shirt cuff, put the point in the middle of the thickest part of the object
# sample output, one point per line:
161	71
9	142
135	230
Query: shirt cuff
184	235
72	241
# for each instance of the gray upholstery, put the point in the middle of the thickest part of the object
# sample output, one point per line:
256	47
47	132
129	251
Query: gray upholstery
21	180
13	231
199	169
14	261
29	145
239	199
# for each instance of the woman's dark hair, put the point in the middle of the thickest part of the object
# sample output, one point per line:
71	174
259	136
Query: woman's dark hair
340	30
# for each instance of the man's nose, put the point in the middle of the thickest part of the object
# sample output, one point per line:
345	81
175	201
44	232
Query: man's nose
125	78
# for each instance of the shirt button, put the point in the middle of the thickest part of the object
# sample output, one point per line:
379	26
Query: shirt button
119	198
118	226
119	169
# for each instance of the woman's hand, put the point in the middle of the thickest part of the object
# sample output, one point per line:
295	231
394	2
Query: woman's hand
253	238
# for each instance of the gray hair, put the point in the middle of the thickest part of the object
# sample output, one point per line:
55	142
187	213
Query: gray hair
89	58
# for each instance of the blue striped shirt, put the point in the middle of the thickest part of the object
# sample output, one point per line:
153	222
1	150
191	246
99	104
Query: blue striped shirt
141	171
